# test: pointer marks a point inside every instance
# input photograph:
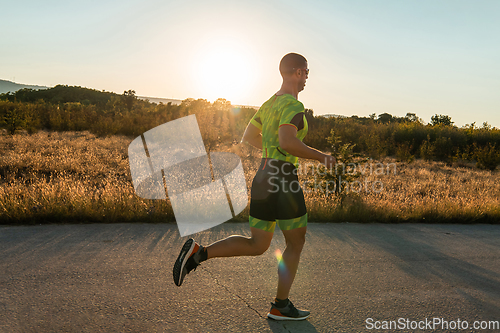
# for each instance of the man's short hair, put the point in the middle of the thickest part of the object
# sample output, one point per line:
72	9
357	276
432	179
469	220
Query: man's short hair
290	62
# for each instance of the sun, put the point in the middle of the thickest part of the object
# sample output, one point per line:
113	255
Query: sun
223	69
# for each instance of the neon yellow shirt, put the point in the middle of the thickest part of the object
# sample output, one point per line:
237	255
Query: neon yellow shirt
283	110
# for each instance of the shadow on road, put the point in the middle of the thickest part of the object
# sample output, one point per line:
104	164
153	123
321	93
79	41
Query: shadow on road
422	258
302	326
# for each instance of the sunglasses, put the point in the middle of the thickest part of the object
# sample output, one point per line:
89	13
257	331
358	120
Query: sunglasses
306	69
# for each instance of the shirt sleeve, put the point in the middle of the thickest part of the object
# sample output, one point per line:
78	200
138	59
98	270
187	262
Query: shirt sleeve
256	121
289	112
298	120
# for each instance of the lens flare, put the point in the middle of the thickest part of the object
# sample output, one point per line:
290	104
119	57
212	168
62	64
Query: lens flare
281	264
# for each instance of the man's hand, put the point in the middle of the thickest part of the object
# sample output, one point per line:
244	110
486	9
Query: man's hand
328	161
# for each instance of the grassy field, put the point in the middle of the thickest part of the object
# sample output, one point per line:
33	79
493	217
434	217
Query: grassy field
71	177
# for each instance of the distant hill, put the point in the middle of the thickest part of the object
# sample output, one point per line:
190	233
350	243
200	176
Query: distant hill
331	115
63	93
159	100
6	86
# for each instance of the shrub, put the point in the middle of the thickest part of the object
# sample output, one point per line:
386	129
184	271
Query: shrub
14	119
487	157
403	152
427	149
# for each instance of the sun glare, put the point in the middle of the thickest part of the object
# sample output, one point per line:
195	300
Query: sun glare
224	70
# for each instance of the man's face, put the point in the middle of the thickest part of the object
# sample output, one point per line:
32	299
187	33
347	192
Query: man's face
302	75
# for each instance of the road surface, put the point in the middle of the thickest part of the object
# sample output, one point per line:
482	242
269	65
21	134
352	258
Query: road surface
118	278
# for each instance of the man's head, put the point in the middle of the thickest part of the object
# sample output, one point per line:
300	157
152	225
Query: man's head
293	67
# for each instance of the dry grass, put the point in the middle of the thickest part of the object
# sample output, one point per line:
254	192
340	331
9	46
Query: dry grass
420	191
77	177
70	177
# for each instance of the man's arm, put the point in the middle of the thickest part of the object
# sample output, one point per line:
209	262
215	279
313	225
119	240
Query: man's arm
253	136
290	143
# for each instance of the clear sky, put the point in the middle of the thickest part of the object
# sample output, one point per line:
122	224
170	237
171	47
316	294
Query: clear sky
421	56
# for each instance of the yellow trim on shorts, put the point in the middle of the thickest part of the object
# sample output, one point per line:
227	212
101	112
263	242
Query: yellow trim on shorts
262	224
290	224
295	223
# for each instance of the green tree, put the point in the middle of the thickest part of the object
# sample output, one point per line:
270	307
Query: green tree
412	117
385	118
488	157
427	149
441	119
14	119
129	99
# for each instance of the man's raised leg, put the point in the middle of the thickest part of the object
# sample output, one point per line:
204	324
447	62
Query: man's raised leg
236	245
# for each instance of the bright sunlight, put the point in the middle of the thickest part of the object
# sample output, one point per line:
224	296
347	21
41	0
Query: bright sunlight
224	69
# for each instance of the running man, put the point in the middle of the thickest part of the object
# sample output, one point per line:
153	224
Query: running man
278	128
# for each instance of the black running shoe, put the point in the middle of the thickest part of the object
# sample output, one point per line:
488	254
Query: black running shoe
185	262
289	312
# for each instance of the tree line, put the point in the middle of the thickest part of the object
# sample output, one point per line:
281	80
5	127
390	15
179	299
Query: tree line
69	108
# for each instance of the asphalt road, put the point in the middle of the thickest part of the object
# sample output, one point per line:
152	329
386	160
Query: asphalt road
118	278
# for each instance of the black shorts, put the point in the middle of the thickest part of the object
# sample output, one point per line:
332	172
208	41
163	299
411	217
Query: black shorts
276	196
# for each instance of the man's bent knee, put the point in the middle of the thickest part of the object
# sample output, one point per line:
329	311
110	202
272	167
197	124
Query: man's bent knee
259	247
260	241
